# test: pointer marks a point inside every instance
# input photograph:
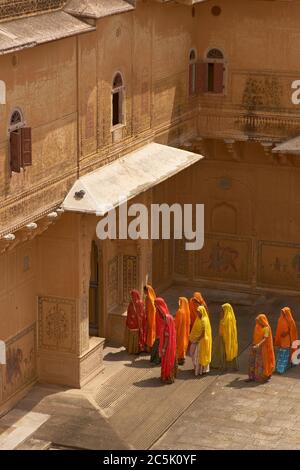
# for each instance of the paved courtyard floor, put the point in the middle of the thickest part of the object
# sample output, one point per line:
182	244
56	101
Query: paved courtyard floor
126	407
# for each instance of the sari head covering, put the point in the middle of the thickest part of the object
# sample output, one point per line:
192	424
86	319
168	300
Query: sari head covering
182	323
167	329
193	306
151	315
286	325
228	331
202	325
141	317
132	321
263	330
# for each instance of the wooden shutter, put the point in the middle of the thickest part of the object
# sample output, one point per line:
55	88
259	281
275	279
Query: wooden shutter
15	151
219	78
26	146
201	77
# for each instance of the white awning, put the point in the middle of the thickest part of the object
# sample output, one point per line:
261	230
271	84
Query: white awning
127	177
291	146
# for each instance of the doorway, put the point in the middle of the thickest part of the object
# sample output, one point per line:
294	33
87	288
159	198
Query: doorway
94	292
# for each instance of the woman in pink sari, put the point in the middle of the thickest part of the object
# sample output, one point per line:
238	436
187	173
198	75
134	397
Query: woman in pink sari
167	343
136	324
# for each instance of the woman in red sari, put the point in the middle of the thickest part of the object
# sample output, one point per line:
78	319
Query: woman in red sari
136	325
167	343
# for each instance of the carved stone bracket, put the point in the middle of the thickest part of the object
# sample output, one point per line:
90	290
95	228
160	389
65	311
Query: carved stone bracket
200	146
29	231
267	146
232	149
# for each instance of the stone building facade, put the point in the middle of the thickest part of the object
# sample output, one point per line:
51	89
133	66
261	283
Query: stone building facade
89	82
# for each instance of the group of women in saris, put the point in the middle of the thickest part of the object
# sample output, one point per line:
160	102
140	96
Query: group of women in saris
152	328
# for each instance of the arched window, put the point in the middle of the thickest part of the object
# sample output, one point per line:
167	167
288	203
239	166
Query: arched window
117	100
192	72
215	71
16	120
20	142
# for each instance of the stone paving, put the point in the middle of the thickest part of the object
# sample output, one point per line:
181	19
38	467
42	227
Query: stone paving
233	414
126	407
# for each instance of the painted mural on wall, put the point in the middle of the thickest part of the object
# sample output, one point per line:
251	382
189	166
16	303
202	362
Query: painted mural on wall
57	324
226	259
20	368
279	265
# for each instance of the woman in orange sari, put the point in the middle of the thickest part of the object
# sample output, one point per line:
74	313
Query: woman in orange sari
262	357
167	343
182	323
196	301
286	334
150	297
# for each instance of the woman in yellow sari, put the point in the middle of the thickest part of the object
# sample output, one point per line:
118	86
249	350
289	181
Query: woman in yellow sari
201	339
225	349
182	324
150	308
262	357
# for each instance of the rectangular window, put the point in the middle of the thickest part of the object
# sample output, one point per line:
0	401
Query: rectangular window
116	108
20	149
15	151
210	79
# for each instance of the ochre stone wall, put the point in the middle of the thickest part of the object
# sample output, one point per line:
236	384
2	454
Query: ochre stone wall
251	197
43	85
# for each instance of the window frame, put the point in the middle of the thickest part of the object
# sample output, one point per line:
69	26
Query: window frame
24	142
207	60
120	90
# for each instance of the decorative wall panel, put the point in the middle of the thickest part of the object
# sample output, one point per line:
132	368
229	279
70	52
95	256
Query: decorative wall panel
57	324
279	265
130	276
225	259
113	282
10	8
20	368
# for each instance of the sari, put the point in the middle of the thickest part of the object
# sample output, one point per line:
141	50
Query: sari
151	316
226	344
286	334
193	307
201	339
167	343
262	359
182	323
132	338
159	323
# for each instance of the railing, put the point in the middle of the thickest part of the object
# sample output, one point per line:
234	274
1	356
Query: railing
252	125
